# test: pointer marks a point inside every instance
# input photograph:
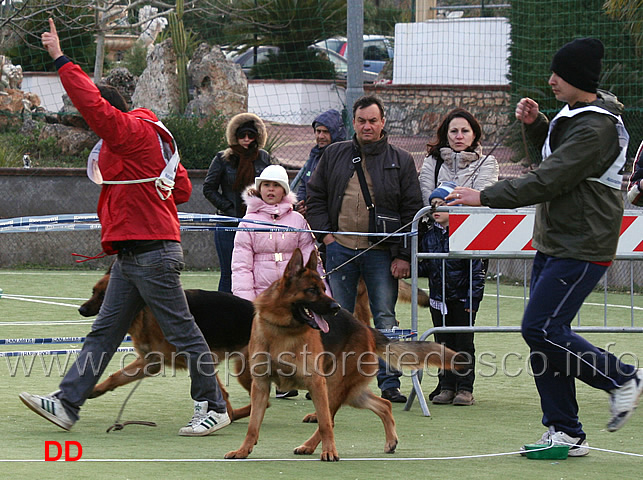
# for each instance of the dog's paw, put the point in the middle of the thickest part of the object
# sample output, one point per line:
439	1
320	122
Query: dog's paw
310	418
304	450
329	456
390	446
238	454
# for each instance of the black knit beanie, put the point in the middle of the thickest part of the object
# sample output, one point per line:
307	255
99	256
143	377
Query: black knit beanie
579	63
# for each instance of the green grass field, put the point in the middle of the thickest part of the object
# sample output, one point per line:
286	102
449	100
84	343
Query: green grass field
455	442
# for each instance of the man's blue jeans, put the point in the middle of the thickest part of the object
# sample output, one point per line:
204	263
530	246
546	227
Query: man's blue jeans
153	279
224	243
375	267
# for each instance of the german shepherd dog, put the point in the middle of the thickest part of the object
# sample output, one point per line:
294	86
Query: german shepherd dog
227	332
224	319
301	338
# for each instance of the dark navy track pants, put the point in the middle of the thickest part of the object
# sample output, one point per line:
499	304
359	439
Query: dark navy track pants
558	355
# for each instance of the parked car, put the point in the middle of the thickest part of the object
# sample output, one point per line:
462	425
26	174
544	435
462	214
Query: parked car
247	60
378	49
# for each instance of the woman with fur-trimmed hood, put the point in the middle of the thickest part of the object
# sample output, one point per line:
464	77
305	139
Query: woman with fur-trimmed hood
230	172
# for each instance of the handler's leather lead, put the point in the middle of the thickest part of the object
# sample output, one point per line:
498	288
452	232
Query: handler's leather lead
118	425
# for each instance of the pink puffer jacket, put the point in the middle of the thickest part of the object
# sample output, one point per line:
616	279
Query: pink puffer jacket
260	258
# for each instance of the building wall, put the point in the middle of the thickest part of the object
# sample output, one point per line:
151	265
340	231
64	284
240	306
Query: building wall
45	191
419	109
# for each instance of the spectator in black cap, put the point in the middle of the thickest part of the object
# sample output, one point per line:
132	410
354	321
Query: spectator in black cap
577	189
230	172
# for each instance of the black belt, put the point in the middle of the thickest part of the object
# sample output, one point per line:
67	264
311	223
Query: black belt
134	247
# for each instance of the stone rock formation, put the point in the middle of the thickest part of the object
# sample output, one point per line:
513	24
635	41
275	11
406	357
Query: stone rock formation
71	140
15	105
122	80
219	84
158	87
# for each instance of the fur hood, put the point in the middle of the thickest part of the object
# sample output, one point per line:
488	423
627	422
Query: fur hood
238	120
252	199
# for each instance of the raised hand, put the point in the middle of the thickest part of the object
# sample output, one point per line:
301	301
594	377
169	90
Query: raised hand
527	111
51	41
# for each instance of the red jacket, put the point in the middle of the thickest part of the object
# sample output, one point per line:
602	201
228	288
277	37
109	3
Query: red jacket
130	151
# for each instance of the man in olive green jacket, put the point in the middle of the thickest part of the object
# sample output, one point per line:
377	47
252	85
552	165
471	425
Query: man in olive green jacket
576	230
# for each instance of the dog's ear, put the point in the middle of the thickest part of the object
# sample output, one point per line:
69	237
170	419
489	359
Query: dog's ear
295	265
312	261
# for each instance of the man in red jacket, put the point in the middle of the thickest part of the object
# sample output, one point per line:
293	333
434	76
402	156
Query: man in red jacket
138	215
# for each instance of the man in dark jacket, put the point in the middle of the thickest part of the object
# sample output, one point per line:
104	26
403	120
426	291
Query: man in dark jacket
336	204
576	231
328	128
139	222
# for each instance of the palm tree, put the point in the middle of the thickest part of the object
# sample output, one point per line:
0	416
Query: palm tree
630	12
291	25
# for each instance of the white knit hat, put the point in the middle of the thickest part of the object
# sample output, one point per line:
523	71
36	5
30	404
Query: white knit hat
273	173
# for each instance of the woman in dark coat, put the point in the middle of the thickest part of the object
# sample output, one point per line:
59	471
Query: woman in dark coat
230	172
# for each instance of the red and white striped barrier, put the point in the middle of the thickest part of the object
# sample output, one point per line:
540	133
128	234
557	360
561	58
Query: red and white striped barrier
511	232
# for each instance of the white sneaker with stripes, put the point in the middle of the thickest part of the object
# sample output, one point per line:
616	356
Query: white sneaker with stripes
624	400
48	407
203	422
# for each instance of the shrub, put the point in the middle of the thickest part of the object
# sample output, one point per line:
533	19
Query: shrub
295	64
135	59
9	155
43	152
198	139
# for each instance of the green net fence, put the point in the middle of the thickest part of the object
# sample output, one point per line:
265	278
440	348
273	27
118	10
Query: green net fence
479	55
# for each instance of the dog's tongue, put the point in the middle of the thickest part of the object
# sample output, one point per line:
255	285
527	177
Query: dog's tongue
321	323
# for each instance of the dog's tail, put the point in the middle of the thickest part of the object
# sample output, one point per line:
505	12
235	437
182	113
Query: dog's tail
418	355
404	294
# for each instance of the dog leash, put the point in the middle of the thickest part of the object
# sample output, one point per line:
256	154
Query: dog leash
118	425
388	235
505	134
496	145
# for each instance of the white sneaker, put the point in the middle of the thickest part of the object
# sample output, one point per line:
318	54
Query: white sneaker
203	422
577	447
624	400
48	407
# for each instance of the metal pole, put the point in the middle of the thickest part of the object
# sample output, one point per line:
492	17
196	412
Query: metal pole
355	55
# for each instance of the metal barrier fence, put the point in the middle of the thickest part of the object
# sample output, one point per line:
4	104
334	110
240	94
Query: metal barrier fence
504	237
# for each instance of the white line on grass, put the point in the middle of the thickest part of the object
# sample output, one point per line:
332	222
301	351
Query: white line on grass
10	295
47	323
33	300
357	459
609	305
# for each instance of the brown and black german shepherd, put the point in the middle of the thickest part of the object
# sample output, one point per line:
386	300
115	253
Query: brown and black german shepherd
227	336
301	338
224	319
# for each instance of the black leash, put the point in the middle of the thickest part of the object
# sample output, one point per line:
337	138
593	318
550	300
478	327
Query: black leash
505	134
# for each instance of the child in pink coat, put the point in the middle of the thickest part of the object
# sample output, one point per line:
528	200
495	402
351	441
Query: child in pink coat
259	258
